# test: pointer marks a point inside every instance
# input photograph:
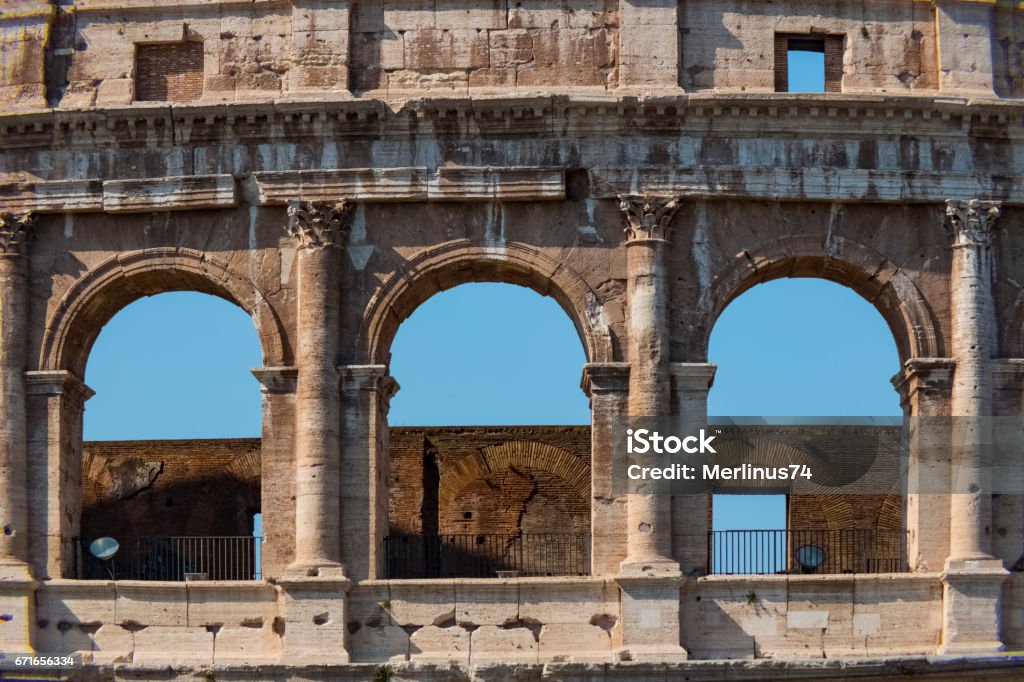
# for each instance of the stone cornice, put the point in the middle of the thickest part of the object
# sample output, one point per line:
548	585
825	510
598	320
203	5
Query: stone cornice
572	114
605	377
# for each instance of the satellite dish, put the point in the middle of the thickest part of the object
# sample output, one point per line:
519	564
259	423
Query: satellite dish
810	557
104	548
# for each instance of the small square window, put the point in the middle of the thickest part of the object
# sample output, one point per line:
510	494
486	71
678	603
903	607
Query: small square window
808	63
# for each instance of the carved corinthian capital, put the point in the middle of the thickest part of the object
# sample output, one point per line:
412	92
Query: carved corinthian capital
648	217
319	224
971	222
15	232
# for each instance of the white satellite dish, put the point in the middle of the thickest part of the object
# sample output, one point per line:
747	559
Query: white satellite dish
104	548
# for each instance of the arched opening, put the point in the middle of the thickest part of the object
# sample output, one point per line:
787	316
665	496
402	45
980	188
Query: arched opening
171	458
795	352
489	452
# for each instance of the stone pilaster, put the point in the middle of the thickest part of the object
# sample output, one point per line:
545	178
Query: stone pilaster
56	403
972	577
607	386
649	39
277	385
321	230
1008	505
964	31
367	391
691	382
649	577
15	233
924	386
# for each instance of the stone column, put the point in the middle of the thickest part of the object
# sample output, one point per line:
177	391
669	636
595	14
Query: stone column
924	386
607	386
15	232
972	577
647	234
649	578
691	382
321	230
17	589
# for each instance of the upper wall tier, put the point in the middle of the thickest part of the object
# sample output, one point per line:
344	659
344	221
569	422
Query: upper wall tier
83	53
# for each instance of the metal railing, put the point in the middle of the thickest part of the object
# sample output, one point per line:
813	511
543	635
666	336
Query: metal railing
764	552
176	558
471	555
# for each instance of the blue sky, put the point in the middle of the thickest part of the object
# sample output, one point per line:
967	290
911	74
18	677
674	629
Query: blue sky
177	365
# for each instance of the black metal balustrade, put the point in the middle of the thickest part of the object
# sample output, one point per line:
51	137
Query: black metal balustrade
176	558
473	555
764	552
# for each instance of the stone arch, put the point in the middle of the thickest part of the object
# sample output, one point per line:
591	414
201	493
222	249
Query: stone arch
868	273
124	278
465	261
525	454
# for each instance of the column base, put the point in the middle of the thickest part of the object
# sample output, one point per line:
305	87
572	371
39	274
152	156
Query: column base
323	570
649	612
972	592
314	613
653	567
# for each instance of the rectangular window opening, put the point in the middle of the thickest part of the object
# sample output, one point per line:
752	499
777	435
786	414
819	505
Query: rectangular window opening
808	63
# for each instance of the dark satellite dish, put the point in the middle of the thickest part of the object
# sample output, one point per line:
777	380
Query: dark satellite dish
810	557
104	548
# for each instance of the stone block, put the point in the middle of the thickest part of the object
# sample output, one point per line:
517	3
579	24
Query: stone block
567	601
112	644
406	15
469	14
230	604
115	91
423	603
491	643
574	641
151	604
77	602
486	603
235	645
173	646
440	644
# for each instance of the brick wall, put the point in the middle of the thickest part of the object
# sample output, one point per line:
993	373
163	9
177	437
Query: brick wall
170	72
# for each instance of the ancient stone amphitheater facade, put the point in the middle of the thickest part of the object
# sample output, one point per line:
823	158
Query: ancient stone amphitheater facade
330	165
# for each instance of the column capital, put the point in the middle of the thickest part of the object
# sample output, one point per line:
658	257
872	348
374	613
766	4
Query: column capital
692	376
16	231
319	224
648	217
971	223
605	377
276	380
57	382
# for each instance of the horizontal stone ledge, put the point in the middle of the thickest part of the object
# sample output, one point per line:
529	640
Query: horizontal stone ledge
412	184
808	184
169	194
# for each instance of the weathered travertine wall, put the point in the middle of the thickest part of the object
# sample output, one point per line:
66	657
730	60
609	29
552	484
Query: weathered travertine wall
729	46
567	159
